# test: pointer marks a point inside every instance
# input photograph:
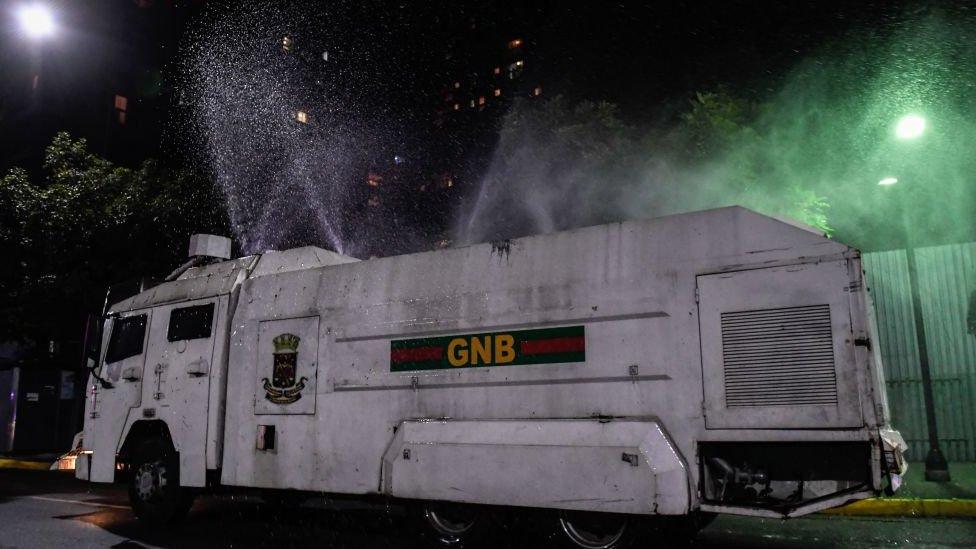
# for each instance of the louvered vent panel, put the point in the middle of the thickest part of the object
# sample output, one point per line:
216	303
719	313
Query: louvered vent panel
779	357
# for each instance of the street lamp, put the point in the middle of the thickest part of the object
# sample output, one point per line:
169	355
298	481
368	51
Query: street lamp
36	21
912	126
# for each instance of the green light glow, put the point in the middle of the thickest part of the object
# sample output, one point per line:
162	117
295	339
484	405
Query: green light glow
910	126
888	181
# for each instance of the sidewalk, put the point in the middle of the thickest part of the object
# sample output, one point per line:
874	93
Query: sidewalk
36	462
918	497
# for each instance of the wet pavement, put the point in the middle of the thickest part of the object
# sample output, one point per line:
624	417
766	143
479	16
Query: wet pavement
52	510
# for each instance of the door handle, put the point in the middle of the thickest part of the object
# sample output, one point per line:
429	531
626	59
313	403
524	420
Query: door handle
159	369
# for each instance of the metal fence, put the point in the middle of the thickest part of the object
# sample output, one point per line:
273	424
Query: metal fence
946	282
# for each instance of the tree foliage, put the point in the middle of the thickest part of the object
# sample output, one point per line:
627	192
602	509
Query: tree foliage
729	133
87	224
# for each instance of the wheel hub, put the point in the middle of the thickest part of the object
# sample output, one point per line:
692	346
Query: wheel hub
450	525
595	533
150	480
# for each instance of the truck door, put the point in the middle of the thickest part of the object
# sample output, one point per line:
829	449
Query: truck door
106	409
178	367
778	348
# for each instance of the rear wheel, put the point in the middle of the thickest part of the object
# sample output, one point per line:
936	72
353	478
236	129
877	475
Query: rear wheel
452	524
154	486
595	530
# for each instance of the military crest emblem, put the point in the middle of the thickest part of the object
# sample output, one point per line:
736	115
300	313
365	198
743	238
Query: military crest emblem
283	388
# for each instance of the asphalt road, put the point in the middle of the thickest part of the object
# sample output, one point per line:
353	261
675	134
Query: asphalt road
53	510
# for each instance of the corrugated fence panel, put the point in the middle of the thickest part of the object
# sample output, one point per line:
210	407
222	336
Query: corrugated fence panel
946	277
887	275
946	280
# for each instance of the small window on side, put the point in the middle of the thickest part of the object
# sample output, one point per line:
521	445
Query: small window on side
128	335
190	322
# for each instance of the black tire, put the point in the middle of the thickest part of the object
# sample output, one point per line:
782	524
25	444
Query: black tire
155	493
454	525
682	531
587	530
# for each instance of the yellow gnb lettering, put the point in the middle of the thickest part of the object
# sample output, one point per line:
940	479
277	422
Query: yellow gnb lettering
504	348
481	350
457	352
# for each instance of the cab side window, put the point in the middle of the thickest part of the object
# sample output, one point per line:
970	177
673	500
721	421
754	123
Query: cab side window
190	322
128	335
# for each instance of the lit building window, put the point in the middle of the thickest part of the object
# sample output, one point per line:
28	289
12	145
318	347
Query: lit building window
472	103
516	43
515	69
457	106
121	106
498	92
447	181
481	100
301	116
537	91
374	200
498	70
373	179
287	44
457	85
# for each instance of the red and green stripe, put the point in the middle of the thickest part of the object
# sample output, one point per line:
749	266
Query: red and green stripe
540	346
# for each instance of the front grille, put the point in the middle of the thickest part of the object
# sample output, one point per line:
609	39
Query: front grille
779	357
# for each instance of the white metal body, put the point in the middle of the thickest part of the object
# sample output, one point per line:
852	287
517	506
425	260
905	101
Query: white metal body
614	432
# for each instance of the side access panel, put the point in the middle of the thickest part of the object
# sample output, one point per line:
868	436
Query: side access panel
618	466
778	349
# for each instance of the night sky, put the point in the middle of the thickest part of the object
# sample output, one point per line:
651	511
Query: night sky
646	57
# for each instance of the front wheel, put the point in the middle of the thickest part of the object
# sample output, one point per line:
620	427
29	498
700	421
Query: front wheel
154	487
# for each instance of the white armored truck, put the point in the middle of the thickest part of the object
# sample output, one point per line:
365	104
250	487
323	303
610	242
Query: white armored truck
608	378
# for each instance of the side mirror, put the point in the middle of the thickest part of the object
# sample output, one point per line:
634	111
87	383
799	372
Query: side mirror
93	350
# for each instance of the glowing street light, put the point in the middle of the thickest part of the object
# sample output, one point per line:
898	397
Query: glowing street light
36	20
910	126
888	181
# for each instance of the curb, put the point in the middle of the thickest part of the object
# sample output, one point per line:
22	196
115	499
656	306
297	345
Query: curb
24	464
891	507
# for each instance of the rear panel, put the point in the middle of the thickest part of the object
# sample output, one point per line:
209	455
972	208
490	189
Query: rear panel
777	348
